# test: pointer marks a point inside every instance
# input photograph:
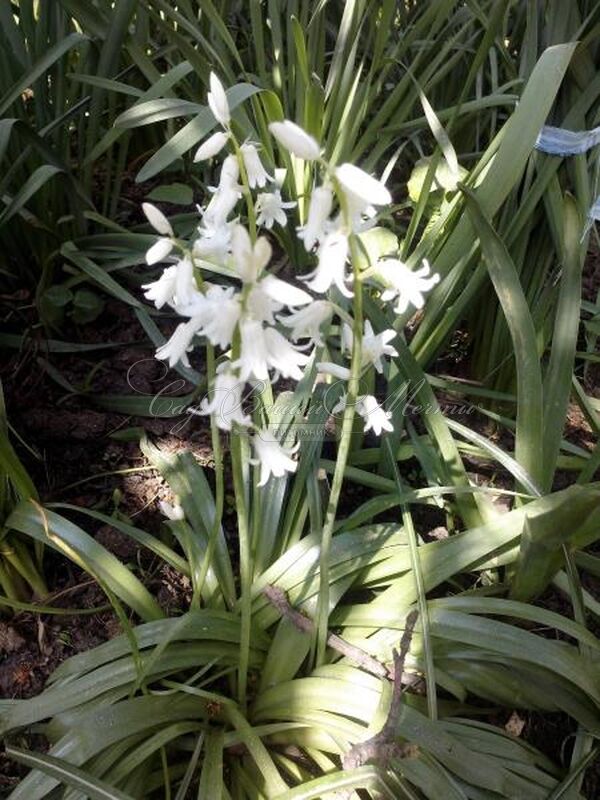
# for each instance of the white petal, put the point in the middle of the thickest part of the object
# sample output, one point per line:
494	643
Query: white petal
295	139
329	368
284	292
157	219
159	251
213	145
361	184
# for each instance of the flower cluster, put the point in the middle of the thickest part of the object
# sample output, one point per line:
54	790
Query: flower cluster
266	327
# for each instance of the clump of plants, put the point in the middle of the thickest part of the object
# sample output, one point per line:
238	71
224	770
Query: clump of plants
313	663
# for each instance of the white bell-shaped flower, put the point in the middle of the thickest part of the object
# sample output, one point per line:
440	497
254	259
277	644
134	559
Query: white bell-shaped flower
254	354
216	311
283	357
331	267
401	282
213	243
162	291
175	286
177	347
217	101
272	457
306	322
257	174
212	146
375	416
220	207
226	403
270	209
265	348
295	139
317	223
230	174
375	346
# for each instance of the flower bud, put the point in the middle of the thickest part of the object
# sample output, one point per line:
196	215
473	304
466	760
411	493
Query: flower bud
157	219
213	145
217	101
295	139
362	185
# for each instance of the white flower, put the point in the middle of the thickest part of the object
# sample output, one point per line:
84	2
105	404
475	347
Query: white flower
260	305
361	214
283	356
176	285
220	207
295	139
176	347
230	173
249	260
361	184
185	285
306	323
226	402
375	417
213	243
213	145
265	348
257	174
216	313
163	290
173	512
331	266
157	219
374	346
163	246
252	363
272	457
321	202
217	101
271	209
403	283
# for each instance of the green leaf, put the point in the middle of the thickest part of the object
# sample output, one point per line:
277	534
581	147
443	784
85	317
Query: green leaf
98	275
191	134
176	193
39	69
31	186
557	382
67	774
504	276
87	306
50	528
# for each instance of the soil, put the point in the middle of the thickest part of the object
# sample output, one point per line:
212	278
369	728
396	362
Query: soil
81	453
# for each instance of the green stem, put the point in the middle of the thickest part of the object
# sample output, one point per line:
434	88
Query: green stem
246	190
219	477
245	563
342	455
